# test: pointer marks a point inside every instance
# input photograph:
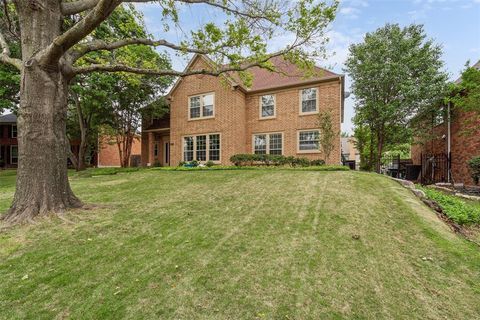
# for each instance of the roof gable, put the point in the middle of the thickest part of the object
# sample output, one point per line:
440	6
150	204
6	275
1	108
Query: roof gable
287	74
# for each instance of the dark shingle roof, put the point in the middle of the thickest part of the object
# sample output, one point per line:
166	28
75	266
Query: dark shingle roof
8	118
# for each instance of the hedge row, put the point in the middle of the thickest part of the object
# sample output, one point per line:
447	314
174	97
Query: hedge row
275	160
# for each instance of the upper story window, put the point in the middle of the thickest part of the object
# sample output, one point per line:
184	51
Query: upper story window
14	131
268	143
267	106
201	106
308	101
202	147
308	141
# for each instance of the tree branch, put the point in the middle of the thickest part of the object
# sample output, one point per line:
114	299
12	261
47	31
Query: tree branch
167	72
80	30
70	8
97	45
5	55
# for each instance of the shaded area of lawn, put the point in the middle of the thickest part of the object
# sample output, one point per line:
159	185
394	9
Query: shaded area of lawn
239	245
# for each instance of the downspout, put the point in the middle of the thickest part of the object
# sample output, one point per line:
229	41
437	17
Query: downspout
448	142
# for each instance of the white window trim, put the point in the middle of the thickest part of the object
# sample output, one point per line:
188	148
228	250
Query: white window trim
207	146
16	131
268	141
298	141
201	106
274	106
300	101
11	153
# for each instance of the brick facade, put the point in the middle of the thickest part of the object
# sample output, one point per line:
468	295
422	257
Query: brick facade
465	144
108	155
237	115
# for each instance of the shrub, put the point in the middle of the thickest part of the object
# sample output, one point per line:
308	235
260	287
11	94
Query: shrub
209	163
458	210
474	165
157	163
317	162
272	159
181	163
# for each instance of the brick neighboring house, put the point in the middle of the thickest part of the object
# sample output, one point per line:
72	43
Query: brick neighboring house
464	142
8	141
213	118
107	155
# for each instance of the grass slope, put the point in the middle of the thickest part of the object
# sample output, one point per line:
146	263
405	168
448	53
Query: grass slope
238	245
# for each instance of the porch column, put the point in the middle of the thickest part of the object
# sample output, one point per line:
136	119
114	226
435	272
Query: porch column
151	141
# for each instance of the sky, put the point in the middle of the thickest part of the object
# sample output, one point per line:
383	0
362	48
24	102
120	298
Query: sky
454	24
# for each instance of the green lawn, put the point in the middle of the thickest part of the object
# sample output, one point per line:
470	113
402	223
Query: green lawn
266	244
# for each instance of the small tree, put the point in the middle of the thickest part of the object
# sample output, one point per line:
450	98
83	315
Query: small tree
327	134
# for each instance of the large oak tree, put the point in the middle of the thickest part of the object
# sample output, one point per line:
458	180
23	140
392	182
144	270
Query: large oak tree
55	35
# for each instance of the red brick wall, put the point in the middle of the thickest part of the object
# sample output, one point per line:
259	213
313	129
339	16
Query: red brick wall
237	116
289	121
108	151
229	115
465	144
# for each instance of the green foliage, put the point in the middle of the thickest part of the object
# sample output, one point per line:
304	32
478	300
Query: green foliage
458	210
209	163
474	165
396	72
248	159
327	134
466	94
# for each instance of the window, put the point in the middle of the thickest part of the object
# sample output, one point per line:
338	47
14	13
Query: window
201	106
195	147
201	148
308	141
155	150
188	148
308	100
214	147
13	154
14	131
267	106
268	143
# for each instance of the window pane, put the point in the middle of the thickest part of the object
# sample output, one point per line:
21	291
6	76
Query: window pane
188	149
208	105
260	144
276	143
308	140
268	106
201	148
195	107
208	111
214	147
309	99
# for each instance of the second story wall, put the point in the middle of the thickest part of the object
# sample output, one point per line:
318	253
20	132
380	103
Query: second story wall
290	121
228	115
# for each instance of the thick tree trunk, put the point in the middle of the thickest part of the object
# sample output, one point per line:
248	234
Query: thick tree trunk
42	180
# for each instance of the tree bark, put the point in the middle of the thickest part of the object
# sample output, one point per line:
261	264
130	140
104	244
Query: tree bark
42	181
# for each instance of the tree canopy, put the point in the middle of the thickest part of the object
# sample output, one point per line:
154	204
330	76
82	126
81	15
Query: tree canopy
397	73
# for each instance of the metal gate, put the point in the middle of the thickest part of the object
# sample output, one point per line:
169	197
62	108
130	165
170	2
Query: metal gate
435	168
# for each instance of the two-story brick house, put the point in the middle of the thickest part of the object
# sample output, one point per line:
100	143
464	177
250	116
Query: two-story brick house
213	118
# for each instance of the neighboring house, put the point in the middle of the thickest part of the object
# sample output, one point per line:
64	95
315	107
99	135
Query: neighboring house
350	154
464	142
107	155
213	118
8	141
